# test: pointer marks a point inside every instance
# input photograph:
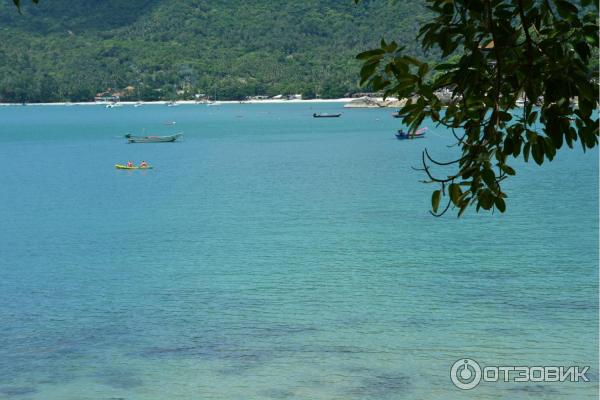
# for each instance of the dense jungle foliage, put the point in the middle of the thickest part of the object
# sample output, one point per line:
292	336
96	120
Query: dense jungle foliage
63	50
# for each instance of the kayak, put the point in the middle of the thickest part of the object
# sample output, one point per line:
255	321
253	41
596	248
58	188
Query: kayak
119	166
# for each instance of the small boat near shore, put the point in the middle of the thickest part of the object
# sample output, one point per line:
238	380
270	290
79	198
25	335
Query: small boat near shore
152	139
326	115
401	135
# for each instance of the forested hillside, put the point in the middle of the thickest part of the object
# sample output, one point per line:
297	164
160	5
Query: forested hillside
72	49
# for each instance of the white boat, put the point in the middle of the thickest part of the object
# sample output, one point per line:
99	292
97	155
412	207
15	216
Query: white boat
113	105
138	104
172	104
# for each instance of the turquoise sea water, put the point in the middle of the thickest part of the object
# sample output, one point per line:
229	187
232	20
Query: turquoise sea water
271	255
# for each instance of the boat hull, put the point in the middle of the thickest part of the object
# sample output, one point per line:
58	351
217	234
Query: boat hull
119	166
153	139
409	137
401	135
327	115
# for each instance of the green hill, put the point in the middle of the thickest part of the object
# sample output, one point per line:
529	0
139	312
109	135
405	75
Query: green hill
70	50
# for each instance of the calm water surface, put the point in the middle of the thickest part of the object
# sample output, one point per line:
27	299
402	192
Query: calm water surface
271	255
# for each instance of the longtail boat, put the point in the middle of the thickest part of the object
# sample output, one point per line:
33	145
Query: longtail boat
152	139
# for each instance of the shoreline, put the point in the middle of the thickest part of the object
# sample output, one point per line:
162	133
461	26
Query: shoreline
185	102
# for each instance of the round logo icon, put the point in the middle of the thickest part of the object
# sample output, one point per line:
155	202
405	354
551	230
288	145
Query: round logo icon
465	373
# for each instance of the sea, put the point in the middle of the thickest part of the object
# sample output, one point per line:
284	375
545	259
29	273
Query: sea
272	255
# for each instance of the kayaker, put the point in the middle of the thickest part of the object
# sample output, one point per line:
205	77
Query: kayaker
143	164
129	164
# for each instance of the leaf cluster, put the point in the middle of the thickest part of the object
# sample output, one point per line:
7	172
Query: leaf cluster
495	53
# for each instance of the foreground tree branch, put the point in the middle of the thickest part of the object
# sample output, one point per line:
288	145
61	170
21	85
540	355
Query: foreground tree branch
502	51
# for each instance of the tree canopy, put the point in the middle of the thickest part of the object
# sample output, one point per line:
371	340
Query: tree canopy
495	52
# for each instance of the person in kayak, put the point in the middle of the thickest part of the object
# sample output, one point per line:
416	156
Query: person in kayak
129	164
143	164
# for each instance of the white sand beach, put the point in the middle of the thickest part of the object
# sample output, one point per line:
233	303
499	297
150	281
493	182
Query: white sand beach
187	102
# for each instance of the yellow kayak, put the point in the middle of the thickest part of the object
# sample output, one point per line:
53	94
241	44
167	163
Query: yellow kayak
119	166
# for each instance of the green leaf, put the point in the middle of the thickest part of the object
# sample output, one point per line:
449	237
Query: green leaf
367	71
463	207
500	204
370	53
508	145
591	34
445	67
526	151
532	118
486	199
455	193
566	9
549	147
537	152
508	170
504	116
489	178
411	60
435	200
391	47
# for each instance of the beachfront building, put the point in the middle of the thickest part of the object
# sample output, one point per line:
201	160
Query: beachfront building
257	97
106	97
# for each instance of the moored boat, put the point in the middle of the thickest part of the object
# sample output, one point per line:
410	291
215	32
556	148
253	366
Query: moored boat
401	135
152	139
326	115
